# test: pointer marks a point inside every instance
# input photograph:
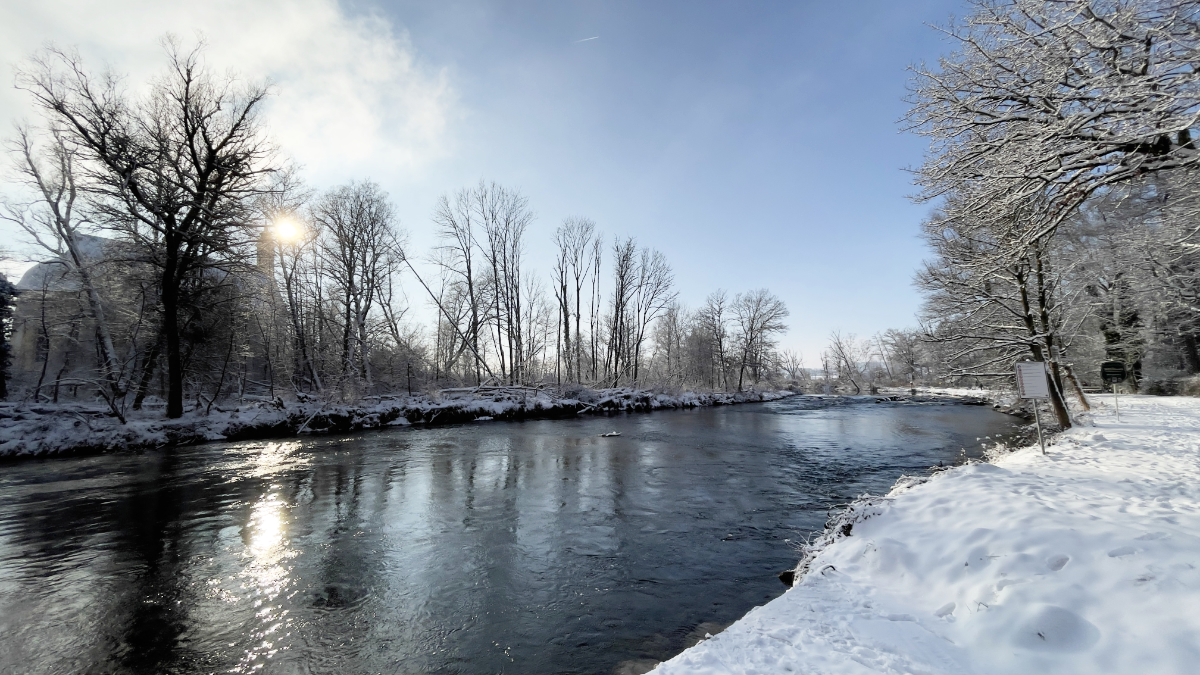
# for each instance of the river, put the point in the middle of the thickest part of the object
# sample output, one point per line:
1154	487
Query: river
497	547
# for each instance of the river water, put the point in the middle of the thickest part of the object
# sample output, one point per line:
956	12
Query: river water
499	547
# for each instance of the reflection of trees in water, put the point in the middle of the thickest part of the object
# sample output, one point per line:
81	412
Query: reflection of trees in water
124	553
143	549
472	503
149	531
342	549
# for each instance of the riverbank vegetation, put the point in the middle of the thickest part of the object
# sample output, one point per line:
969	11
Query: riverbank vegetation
186	266
29	429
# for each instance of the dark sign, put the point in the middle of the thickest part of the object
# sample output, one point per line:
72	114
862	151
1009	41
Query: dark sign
1112	372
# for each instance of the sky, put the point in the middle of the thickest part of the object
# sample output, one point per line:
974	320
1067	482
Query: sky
754	144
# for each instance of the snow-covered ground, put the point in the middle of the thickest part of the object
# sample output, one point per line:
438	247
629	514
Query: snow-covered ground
1086	560
43	429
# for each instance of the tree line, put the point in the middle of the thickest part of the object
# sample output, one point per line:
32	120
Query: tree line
187	264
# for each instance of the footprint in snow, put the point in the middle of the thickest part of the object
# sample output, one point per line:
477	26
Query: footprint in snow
1057	562
1151	536
1122	552
1005	583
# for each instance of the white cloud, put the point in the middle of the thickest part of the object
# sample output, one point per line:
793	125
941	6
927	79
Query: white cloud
351	99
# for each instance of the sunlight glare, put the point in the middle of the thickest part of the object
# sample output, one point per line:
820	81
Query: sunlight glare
287	230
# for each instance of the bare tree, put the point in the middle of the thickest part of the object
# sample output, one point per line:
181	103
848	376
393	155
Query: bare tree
594	306
792	363
903	349
456	220
175	171
759	316
670	335
848	356
360	249
561	274
505	215
537	327
574	238
293	241
714	321
652	295
53	222
619	352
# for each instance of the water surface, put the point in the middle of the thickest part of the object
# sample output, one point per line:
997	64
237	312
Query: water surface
522	547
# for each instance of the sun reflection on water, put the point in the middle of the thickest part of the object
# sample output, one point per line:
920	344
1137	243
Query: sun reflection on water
267	558
274	457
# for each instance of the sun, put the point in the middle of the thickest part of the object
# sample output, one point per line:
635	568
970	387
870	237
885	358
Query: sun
287	230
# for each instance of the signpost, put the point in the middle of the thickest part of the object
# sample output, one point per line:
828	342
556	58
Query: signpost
1032	384
1113	372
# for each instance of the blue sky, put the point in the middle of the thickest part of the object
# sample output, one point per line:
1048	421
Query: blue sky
755	144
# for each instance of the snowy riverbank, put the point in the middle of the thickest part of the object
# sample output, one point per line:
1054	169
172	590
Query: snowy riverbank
1086	560
45	429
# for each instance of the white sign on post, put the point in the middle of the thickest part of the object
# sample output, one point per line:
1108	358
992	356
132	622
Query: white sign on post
1031	380
1032	383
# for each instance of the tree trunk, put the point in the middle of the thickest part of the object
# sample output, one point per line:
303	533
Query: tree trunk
742	368
1191	356
73	336
43	334
1057	398
170	300
1078	389
1035	347
347	354
578	353
364	355
148	368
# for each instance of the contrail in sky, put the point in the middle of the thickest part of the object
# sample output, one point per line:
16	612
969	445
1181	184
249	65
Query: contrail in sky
586	39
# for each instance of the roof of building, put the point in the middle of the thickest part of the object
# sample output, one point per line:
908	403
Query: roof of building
53	275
